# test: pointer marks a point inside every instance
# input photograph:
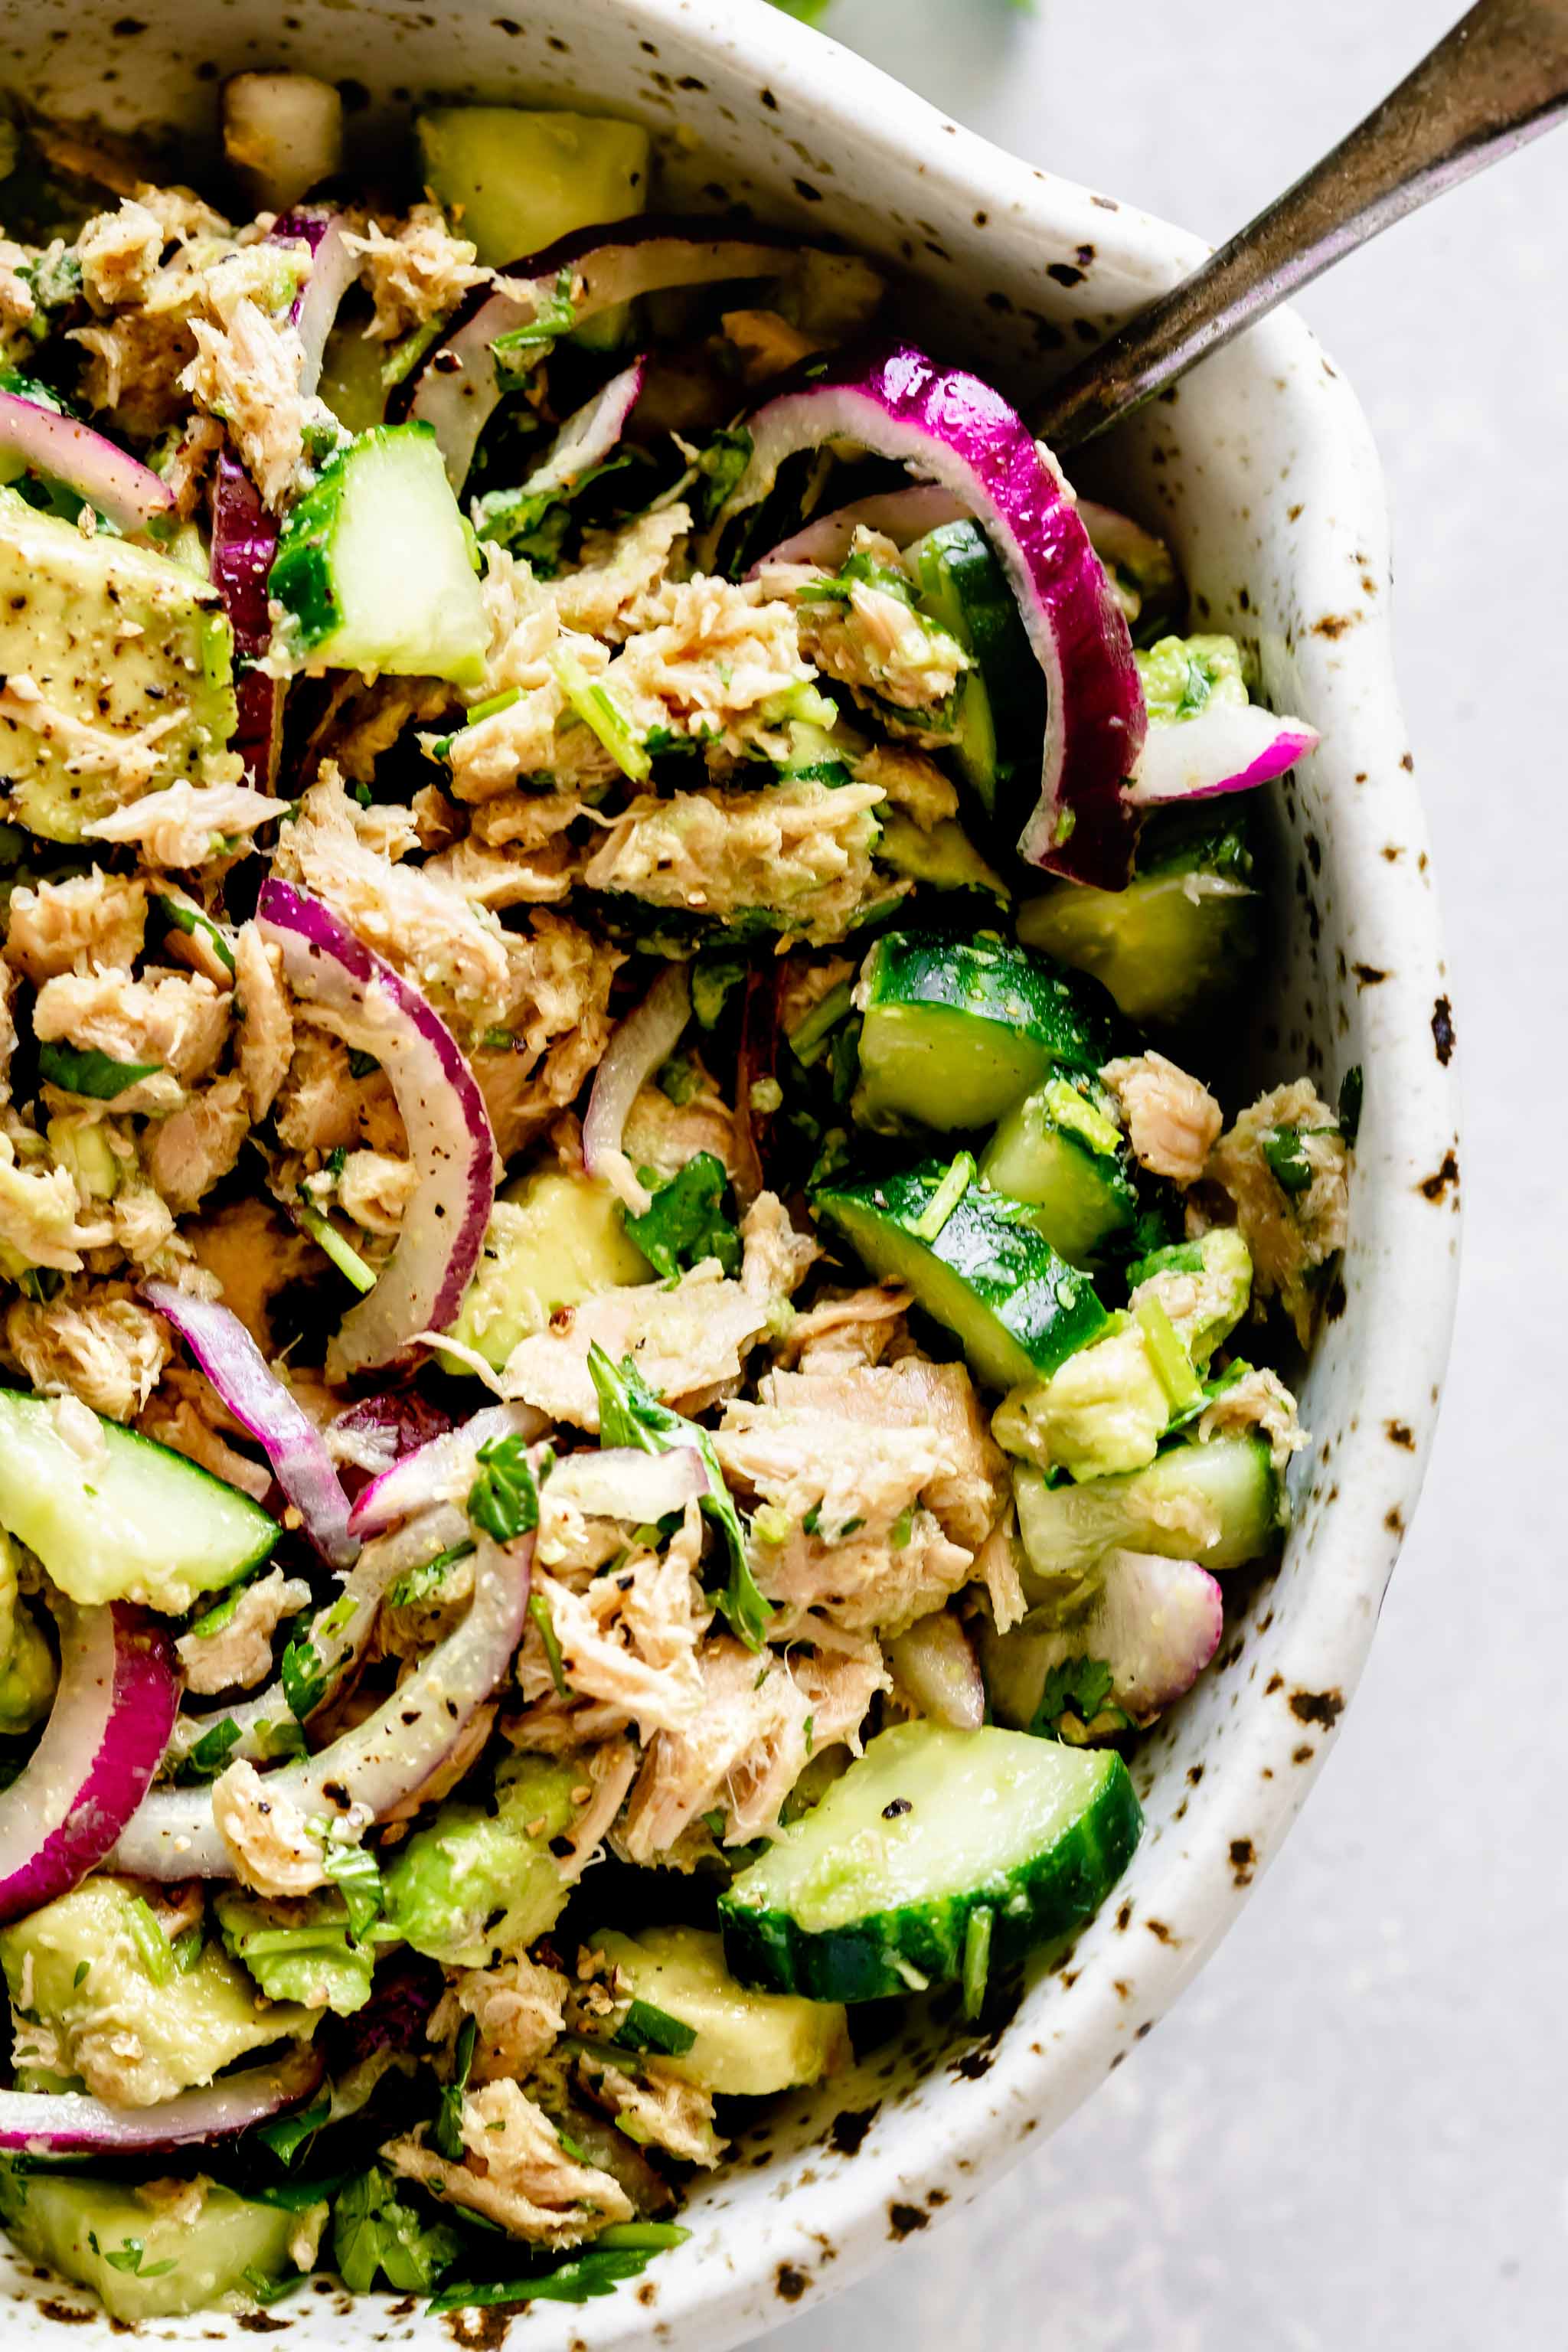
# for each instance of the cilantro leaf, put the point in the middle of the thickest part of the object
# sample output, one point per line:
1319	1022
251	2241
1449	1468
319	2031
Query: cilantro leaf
721	464
209	1756
504	1498
304	1670
630	1414
1288	1163
355	1873
90	1073
375	2233
646	2027
621	2252
289	2135
131	2257
1077	1686
687	1221
446	2131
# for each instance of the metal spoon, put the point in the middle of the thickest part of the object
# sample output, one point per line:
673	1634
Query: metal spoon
1497	80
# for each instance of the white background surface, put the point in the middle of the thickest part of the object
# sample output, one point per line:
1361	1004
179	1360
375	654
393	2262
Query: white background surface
1350	2135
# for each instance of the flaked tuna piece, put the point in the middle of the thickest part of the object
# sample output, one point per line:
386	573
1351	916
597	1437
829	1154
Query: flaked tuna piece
192	1149
266	1024
90	922
1172	1119
518	2009
416	274
105	1348
1290	1235
515	2172
689	1343
178	1022
846	1330
969	1496
239	1654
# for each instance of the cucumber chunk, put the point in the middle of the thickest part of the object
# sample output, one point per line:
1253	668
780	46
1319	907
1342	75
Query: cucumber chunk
374	570
1219	1503
1015	1307
1001	700
874	1892
956	1030
144	2261
1177	941
1056	1151
137	1523
748	2043
523	179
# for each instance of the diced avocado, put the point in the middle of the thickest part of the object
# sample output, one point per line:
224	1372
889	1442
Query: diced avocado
298	1950
475	1886
553	1239
517	179
747	2043
141	2249
956	1030
975	1261
377	569
1181	676
944	859
354	382
1104	1410
1220	1503
1059	1153
1176	941
28	1674
1203	1287
137	1523
95	1969
113	637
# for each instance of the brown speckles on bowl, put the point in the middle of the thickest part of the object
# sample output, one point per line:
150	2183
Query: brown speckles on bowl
1243	1861
848	2128
1443	1030
1323	1708
789	2284
1437	1186
1399	1433
904	2218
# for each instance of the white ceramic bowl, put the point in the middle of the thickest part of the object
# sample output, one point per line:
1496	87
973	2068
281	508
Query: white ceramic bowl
1262	472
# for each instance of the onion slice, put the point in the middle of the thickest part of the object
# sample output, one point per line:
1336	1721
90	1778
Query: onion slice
97	469
69	2122
1224	748
251	1389
1155	1623
623	1483
642	1041
903	516
243	543
334	267
949	426
935	1667
456	388
590	434
421	1286
381	1761
440	1472
105	1737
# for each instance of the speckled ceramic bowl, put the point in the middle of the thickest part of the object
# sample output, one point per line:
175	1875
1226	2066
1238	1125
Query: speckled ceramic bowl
1262	472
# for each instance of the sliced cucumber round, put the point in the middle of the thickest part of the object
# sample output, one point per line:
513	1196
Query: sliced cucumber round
881	1890
1220	1504
978	1266
957	1030
1065	1158
136	1522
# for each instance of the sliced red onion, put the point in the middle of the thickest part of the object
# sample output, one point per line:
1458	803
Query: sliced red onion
105	1739
1224	748
935	1667
73	2125
623	1483
455	389
334	267
440	1472
949	425
1117	538
243	543
258	1401
421	1286
383	1759
96	468
903	516
644	1040
590	434
379	1431
69	2122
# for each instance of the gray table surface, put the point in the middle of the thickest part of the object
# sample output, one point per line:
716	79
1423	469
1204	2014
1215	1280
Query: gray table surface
1349	2134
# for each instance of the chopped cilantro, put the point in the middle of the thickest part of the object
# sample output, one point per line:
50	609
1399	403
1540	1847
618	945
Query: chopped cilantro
209	1756
288	2136
620	2252
503	1500
1288	1163
425	1580
648	2027
355	1873
1077	1686
131	2257
375	2234
539	1610
446	2131
687	1221
90	1073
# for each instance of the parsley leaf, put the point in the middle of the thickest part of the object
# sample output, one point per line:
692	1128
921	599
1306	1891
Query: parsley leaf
131	2256
355	1873
290	2135
1288	1163
90	1073
630	1414
504	1498
687	1221
209	1756
305	1673
374	2232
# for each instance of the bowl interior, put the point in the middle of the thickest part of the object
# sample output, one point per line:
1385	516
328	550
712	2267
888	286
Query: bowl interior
1262	472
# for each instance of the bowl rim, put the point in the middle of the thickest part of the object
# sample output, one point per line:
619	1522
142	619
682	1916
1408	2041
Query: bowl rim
725	2285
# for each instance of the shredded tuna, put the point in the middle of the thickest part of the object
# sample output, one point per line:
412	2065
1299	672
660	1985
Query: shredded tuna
658	2109
1290	1234
417	274
90	920
178	1021
106	1349
515	2172
119	253
273	1850
188	825
1172	1119
266	1026
1258	1400
239	1654
516	2007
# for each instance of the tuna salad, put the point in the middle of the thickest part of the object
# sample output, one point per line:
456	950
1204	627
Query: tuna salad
639	1325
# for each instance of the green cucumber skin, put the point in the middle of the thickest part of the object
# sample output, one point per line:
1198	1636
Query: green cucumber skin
992	981
1067	1530
965	588
1031	1905
301	577
1042	1310
1079	1197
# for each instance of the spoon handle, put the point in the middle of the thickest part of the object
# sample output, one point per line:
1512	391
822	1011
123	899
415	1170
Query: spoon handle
1498	78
